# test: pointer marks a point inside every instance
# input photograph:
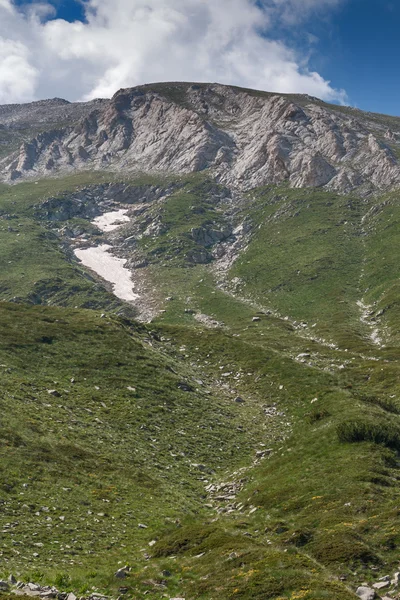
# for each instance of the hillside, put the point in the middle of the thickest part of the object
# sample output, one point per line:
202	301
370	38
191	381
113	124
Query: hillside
199	314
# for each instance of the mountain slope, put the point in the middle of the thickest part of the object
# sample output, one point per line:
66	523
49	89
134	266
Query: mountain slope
246	139
232	429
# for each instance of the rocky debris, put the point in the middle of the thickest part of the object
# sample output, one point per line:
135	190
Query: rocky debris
246	140
390	584
272	411
223	495
54	393
4	585
208	321
46	592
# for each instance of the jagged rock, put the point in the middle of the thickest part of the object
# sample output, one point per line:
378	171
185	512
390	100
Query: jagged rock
366	593
12	580
245	140
4	585
208	237
54	393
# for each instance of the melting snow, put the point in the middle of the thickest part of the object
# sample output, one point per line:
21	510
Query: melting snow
109	267
111	220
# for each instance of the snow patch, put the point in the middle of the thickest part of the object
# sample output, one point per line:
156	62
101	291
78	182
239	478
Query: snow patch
111	220
110	268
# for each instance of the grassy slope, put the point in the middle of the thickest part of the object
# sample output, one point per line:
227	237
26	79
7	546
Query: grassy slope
305	257
109	447
310	526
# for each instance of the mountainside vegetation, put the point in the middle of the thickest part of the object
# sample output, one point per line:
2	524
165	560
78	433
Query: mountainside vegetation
234	432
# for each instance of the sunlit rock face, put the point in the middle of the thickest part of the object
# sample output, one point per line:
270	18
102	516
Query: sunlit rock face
244	138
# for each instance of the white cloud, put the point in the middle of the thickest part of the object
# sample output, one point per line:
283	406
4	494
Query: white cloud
17	75
129	42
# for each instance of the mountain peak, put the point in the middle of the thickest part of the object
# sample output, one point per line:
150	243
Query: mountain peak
243	137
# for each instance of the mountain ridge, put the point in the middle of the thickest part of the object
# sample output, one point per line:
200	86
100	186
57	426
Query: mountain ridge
243	138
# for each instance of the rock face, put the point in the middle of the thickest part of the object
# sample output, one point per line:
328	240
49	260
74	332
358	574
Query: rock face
245	138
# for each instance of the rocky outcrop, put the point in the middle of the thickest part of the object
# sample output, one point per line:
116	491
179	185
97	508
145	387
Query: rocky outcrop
208	236
92	201
244	138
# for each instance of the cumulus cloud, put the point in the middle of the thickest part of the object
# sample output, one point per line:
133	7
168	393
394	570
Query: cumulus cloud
128	42
17	75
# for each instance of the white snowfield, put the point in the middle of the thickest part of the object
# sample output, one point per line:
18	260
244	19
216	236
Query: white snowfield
111	220
110	268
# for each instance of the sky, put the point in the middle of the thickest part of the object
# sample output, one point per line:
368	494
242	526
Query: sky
343	51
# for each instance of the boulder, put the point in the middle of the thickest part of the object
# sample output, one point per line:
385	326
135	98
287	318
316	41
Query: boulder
366	593
122	572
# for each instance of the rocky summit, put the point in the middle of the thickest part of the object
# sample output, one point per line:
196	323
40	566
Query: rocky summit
199	348
244	138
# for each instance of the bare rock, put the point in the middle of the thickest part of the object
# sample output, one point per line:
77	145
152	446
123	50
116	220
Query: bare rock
122	572
245	140
366	593
381	585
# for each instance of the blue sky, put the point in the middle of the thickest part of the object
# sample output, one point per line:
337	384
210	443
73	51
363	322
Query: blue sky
340	50
70	10
359	50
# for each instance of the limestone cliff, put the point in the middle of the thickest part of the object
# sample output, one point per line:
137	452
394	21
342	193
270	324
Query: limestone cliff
244	138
